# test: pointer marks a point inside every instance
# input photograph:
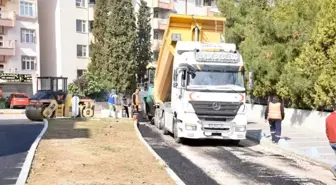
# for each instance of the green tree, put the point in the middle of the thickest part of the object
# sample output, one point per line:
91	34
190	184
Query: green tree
120	69
314	70
98	50
143	40
269	36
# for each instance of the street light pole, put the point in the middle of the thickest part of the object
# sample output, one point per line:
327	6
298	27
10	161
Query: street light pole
186	5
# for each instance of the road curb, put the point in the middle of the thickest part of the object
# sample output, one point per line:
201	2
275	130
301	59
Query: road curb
258	138
170	172
11	112
30	156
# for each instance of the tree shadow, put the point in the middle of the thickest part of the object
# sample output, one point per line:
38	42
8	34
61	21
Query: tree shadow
65	129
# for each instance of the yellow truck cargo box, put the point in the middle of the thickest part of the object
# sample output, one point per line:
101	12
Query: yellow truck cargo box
182	28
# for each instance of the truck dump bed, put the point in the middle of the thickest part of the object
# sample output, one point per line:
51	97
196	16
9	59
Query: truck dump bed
181	28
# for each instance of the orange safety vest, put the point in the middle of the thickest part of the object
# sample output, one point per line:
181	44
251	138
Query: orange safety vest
135	98
274	111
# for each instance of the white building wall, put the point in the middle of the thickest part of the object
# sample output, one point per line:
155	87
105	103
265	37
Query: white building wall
62	25
14	63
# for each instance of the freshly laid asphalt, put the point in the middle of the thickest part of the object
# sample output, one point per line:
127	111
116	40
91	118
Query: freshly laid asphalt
191	174
16	137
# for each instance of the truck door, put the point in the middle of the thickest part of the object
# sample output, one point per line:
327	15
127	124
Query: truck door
179	84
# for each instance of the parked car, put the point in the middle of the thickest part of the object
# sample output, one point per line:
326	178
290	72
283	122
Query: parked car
17	100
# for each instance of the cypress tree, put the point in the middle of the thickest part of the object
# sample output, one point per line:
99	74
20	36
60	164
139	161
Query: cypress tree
120	69
143	41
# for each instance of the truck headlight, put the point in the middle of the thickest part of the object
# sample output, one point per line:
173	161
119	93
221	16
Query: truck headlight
240	128
189	126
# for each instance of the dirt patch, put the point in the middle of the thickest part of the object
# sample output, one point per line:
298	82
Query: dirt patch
94	152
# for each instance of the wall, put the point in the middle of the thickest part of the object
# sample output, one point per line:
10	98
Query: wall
14	62
48	52
313	120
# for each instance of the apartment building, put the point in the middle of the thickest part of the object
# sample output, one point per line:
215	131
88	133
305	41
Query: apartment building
65	27
161	9
19	45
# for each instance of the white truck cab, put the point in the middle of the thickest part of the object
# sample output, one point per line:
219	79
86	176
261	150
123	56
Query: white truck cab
207	93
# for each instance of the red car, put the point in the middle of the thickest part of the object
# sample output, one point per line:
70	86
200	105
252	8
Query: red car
17	100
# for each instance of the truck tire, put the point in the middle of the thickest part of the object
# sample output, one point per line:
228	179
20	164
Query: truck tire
161	122
176	138
235	142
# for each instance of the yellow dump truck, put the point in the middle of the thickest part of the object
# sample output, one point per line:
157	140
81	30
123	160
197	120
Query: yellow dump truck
198	89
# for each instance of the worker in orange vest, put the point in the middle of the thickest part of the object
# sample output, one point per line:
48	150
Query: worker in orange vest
136	99
274	114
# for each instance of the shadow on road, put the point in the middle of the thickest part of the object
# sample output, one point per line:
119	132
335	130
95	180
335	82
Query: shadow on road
16	136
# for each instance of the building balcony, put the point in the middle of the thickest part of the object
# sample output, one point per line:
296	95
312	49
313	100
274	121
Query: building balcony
164	4
156	45
211	11
7	48
159	24
7	19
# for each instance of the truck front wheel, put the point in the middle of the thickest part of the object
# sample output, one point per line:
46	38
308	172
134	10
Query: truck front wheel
175	130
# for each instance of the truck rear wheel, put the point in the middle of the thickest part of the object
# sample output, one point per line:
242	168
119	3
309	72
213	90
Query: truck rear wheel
162	122
235	142
175	130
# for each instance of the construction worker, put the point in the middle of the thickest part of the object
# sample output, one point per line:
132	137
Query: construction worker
331	132
274	114
125	105
111	101
136	100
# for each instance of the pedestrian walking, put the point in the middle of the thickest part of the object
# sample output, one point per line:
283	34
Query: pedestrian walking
111	102
274	114
125	105
331	133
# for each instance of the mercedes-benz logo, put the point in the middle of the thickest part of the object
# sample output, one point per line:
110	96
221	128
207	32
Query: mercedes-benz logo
216	106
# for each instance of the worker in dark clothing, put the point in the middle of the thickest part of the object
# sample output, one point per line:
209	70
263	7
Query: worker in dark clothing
274	114
125	105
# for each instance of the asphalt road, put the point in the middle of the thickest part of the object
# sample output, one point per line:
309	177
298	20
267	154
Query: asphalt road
217	162
16	136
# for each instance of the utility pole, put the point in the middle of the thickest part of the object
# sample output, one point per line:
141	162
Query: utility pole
186	5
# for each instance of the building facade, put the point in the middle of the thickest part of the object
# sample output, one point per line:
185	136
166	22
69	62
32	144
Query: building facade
19	45
66	25
161	9
19	37
66	35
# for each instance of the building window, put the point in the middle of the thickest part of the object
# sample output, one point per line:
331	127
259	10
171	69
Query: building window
80	72
80	3
156	13
28	63
2	68
156	35
27	36
92	2
26	8
81	50
90	26
156	55
198	2
81	26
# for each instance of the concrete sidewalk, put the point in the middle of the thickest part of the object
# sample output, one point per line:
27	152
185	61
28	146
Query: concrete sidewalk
303	141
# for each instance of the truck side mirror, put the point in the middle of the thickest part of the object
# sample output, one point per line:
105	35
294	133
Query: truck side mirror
251	80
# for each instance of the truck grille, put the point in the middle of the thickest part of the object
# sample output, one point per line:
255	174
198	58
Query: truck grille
222	109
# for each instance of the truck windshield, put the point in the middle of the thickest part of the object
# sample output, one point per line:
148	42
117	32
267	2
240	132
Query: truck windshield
213	78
